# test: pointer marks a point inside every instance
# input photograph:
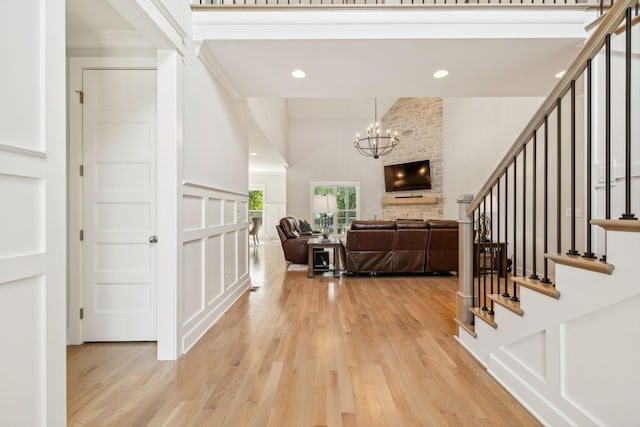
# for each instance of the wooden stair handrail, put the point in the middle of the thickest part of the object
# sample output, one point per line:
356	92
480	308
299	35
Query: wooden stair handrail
609	25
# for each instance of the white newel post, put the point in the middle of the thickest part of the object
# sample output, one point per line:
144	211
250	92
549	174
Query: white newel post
464	296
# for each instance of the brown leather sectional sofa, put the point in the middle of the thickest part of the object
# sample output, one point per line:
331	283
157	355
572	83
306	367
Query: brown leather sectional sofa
402	246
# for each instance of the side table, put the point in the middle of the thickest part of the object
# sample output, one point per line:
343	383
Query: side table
320	243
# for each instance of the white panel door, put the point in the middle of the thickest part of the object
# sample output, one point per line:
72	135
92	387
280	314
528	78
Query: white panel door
119	205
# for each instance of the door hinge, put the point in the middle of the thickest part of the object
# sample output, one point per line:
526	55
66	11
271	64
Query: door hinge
81	235
80	96
81	170
81	313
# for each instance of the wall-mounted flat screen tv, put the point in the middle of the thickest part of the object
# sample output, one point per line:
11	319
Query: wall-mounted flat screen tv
408	176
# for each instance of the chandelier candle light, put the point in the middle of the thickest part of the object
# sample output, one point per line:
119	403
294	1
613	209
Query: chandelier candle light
376	145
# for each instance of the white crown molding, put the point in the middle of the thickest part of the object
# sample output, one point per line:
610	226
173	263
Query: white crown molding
244	24
214	67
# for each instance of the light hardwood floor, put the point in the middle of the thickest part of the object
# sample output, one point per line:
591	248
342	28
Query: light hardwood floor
354	351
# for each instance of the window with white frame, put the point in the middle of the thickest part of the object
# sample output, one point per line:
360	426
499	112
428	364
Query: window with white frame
256	204
335	213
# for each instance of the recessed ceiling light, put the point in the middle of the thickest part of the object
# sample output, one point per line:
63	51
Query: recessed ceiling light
299	74
440	74
253	154
560	74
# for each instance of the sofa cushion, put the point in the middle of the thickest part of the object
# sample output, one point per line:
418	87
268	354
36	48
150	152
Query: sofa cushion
411	224
411	239
442	223
305	227
370	240
373	225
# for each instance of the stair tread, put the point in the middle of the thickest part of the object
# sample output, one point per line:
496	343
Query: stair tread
467	327
507	303
580	262
617	224
484	315
536	285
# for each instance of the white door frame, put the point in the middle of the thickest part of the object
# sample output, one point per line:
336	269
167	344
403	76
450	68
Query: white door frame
166	289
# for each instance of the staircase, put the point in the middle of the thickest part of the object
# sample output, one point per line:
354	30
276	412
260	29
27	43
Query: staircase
560	328
570	356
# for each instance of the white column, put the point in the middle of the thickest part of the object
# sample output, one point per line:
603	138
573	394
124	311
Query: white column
169	197
464	298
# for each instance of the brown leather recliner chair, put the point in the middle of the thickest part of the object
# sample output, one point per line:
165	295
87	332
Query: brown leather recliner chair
410	244
294	244
370	246
442	247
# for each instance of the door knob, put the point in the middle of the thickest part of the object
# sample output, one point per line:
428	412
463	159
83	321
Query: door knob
153	239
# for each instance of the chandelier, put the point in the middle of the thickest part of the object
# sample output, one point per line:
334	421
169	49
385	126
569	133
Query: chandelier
376	145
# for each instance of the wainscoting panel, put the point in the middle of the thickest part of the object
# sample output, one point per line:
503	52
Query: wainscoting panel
230	212
21	225
214	212
193	212
243	252
215	257
531	353
582	337
21	367
230	259
214	285
23	265
193	276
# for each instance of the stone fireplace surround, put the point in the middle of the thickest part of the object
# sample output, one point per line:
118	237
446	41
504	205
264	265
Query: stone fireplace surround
418	122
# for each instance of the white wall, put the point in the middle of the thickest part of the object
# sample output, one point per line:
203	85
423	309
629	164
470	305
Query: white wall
215	137
322	150
32	217
477	134
213	259
272	118
274	202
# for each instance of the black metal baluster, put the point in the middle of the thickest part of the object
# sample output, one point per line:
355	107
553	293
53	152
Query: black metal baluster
607	136
534	192
608	126
506	229
545	224
491	250
588	253
476	263
572	250
627	140
515	222
524	211
500	266
559	179
482	226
